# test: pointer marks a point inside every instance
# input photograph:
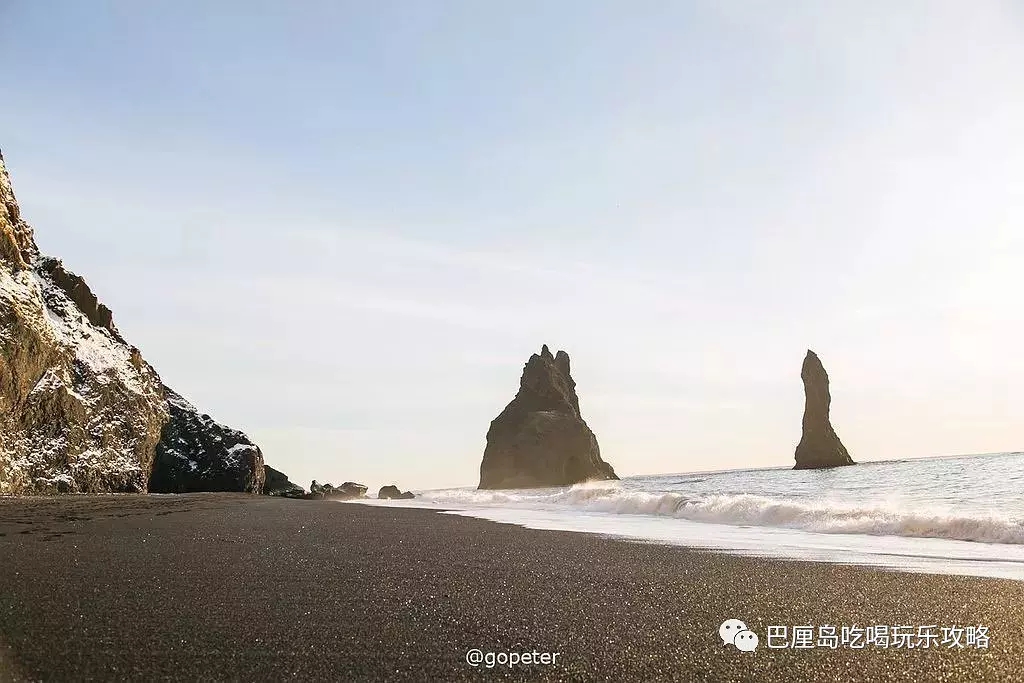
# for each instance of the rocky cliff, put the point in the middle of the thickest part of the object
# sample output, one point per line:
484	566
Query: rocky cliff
277	483
80	410
819	445
196	453
540	438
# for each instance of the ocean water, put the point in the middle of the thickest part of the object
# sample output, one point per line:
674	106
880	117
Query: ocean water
955	515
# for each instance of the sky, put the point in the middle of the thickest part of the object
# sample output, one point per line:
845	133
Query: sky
344	227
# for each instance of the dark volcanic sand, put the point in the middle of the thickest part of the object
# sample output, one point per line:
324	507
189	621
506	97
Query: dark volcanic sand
224	587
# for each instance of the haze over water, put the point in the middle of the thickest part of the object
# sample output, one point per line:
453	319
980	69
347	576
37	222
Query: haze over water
955	515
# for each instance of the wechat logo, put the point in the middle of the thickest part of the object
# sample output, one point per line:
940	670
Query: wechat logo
734	632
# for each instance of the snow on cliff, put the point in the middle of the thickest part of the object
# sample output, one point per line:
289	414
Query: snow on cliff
80	410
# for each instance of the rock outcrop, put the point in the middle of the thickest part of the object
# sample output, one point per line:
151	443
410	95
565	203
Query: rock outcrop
540	438
392	492
80	410
347	491
276	483
819	446
196	453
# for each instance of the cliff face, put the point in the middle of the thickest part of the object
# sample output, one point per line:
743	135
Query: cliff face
276	483
196	453
540	439
819	446
80	410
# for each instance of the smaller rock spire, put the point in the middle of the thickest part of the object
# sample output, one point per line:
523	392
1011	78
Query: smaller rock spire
562	362
819	446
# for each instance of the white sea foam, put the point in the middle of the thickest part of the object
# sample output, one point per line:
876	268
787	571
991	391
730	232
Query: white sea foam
827	517
962	515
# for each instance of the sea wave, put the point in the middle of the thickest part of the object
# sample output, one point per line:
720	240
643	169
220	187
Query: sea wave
888	519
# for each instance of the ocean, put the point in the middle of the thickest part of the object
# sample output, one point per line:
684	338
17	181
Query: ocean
952	515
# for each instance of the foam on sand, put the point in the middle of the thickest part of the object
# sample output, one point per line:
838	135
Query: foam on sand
751	510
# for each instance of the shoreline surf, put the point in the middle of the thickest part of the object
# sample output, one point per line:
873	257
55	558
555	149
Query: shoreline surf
958	516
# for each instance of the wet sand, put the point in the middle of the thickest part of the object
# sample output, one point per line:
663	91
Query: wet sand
225	587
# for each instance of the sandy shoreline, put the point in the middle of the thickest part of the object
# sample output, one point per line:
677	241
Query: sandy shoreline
226	587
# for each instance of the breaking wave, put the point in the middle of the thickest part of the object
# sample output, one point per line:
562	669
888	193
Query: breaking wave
751	510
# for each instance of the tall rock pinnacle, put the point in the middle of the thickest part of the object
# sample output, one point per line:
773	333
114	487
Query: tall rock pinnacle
540	439
819	446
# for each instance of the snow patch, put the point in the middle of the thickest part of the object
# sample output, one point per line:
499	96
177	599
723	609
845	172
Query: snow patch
48	383
95	347
93	369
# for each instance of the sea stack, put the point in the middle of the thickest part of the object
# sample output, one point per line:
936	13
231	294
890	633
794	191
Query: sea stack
80	410
819	446
540	438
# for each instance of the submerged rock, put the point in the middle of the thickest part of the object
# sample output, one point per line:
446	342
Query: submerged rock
540	438
394	493
819	446
80	409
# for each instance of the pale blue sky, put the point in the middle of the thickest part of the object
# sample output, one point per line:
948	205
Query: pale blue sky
343	227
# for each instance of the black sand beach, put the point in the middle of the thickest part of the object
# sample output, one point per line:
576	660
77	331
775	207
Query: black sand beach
233	587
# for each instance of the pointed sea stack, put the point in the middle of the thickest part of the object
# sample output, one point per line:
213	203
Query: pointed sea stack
540	439
819	446
81	411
